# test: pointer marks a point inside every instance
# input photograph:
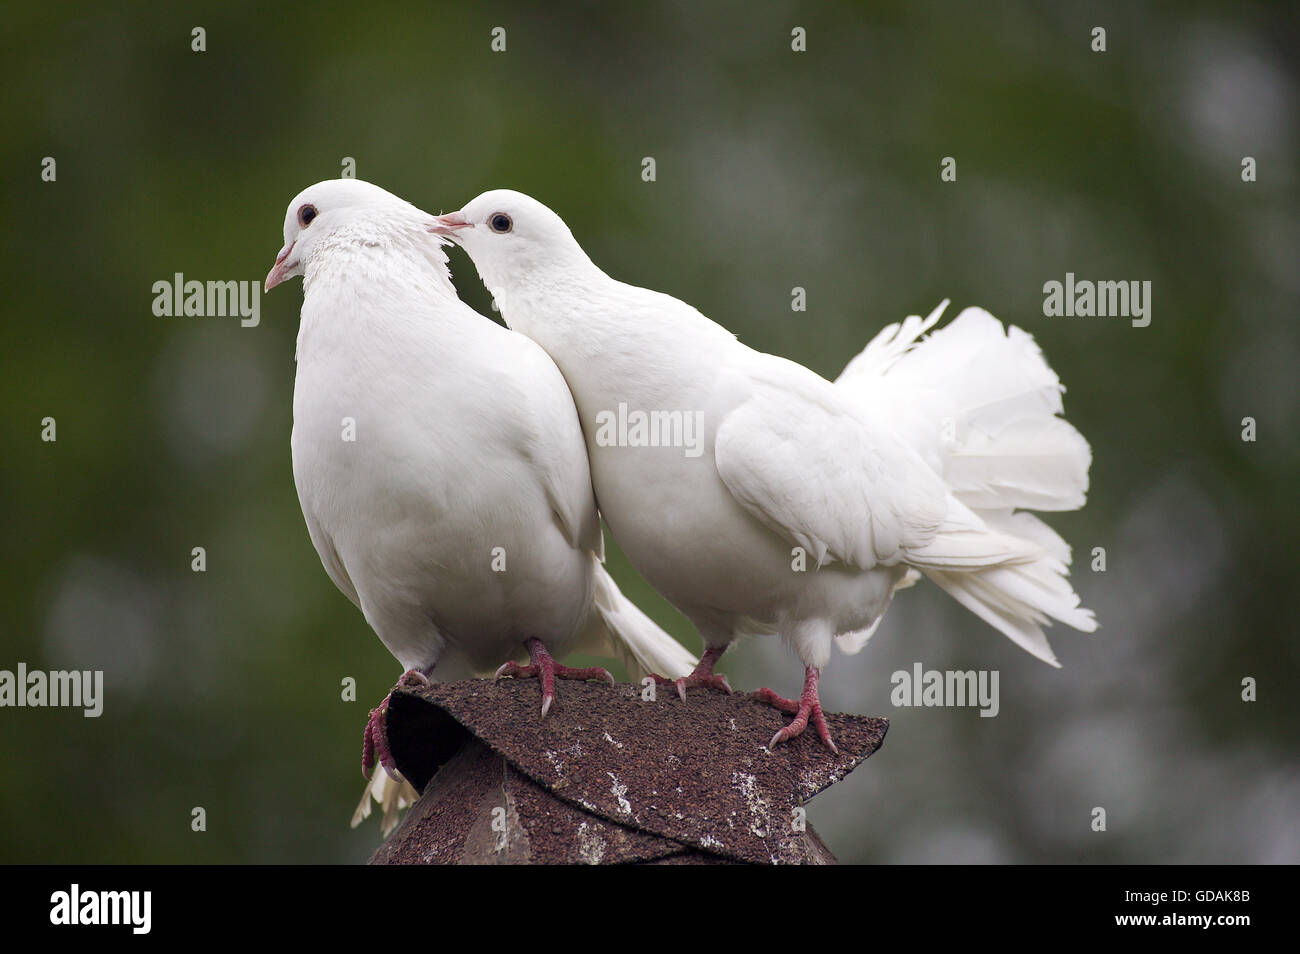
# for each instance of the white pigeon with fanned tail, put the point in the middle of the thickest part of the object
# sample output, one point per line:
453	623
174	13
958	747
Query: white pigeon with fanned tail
441	466
921	459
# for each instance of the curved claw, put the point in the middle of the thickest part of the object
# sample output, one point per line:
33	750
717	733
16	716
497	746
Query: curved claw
374	741
799	724
713	681
702	675
546	669
515	671
807	707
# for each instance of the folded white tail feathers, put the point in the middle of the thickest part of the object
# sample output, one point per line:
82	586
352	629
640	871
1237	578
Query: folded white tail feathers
1017	600
616	626
632	636
393	797
981	405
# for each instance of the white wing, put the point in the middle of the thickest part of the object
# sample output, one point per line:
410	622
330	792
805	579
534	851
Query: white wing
329	558
805	462
554	444
835	479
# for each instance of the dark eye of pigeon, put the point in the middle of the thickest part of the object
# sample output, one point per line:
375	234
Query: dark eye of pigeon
500	222
306	214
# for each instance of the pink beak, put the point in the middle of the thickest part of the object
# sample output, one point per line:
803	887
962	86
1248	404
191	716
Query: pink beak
278	271
450	223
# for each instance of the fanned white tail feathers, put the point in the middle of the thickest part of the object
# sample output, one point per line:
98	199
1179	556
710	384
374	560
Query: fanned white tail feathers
632	636
981	405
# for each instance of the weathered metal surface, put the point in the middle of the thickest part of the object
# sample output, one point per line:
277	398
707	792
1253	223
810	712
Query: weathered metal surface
608	777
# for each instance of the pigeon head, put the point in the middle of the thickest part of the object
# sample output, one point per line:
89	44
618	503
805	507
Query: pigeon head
509	234
338	209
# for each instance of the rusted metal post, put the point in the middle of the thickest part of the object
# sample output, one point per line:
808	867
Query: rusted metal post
608	777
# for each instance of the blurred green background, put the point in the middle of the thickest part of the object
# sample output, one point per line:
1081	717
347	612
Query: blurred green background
775	169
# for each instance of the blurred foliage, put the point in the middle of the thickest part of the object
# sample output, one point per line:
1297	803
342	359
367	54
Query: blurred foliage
774	169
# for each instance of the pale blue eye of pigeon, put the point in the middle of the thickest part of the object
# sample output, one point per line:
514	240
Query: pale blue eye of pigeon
500	222
306	214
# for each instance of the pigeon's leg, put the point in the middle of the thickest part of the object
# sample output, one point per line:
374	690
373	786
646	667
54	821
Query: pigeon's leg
375	741
702	676
545	668
808	706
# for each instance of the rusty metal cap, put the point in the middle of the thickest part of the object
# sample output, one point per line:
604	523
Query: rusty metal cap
608	776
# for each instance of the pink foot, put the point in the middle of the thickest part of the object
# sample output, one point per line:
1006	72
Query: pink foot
702	676
375	740
545	668
808	706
